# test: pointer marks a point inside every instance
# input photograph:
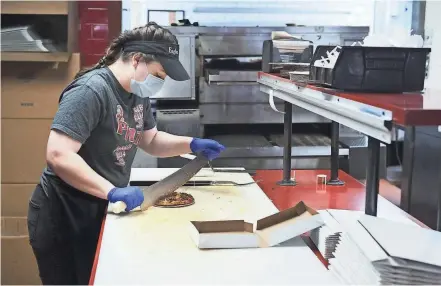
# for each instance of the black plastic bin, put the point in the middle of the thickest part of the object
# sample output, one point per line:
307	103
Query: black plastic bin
372	69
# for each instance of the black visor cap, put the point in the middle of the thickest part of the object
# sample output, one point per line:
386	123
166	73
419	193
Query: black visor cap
173	68
166	54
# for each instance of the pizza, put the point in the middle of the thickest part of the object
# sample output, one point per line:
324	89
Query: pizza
175	200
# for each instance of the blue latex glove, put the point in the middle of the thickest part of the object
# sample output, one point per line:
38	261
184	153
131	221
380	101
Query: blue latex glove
131	196
207	147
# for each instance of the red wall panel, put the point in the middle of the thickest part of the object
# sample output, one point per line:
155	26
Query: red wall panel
96	29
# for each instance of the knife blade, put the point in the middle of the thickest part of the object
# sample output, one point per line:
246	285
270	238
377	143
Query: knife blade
197	183
166	186
251	172
191	157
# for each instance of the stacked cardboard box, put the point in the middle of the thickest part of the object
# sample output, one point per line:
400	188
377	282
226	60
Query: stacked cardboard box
30	94
366	250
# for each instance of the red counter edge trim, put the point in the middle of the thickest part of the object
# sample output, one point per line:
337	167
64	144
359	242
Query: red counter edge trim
97	253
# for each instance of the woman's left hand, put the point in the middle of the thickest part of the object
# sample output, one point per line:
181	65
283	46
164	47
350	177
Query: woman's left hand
209	148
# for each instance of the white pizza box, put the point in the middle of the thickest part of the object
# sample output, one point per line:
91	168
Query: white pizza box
223	234
266	232
287	224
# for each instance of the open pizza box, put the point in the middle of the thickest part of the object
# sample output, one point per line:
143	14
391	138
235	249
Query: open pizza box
266	232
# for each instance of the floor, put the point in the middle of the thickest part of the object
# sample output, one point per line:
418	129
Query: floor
351	196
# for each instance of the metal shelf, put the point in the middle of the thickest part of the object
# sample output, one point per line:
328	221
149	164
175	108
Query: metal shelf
371	121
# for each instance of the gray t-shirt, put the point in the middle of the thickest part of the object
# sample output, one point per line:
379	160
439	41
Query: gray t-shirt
108	121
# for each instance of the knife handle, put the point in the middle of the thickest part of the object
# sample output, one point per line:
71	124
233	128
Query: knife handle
120	207
117	207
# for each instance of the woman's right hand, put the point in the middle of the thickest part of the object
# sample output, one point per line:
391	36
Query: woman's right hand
132	197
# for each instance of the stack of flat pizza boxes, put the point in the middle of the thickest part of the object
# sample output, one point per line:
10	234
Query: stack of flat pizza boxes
266	232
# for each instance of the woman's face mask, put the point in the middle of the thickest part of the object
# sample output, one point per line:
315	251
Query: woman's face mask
148	87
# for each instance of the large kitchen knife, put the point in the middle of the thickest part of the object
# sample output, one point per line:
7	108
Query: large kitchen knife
234	171
224	170
165	186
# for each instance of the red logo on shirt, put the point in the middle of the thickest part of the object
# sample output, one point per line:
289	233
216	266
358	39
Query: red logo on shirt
130	134
138	115
120	154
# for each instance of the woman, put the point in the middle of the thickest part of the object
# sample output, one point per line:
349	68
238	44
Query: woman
103	116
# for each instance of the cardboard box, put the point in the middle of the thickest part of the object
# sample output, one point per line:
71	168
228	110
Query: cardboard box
287	224
23	149
223	234
15	199
33	89
34	7
266	232
18	264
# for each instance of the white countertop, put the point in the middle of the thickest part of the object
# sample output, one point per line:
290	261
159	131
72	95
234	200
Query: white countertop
154	247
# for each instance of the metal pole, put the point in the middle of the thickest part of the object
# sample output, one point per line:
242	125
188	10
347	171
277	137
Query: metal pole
438	219
418	17
335	135
372	177
407	175
287	122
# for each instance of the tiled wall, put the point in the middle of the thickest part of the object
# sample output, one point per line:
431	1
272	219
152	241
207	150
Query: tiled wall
94	30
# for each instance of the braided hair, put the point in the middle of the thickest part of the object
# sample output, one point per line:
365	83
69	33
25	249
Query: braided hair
149	32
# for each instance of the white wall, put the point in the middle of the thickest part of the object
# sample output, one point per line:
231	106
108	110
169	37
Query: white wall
262	13
432	29
381	15
126	16
390	15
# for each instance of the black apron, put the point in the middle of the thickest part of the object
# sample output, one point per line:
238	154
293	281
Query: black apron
64	226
